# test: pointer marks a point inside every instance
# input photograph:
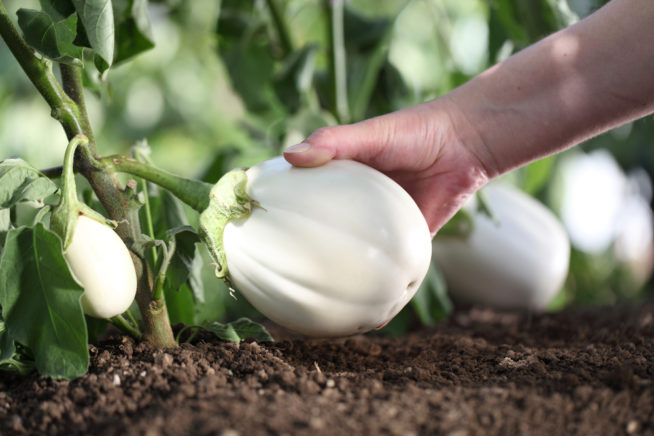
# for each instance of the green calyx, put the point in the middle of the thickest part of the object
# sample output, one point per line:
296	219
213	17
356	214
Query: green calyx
65	214
228	201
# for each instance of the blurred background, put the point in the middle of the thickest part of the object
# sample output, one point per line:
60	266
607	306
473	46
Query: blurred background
234	82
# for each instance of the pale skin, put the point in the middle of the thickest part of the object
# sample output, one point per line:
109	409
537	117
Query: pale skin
570	86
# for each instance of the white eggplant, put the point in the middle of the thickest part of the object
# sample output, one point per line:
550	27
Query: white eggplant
328	251
101	263
518	259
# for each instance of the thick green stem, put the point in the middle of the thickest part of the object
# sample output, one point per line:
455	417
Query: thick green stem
71	77
68	108
337	58
192	192
281	26
39	72
125	326
157	330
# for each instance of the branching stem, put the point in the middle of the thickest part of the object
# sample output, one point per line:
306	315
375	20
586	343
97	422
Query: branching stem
195	193
67	105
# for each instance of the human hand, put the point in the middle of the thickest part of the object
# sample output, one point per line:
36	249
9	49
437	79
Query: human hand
419	147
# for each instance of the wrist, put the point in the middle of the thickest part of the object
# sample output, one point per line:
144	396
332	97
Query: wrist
468	134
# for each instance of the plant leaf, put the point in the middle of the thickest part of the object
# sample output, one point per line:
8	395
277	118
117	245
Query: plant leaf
11	359
180	305
296	77
20	181
180	295
536	174
246	50
57	9
7	346
170	221
97	17
431	302
182	263
239	330
133	29
459	226
367	45
5	222
40	302
53	39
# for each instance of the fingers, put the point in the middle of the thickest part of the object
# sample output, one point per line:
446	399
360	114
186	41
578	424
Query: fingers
306	154
353	141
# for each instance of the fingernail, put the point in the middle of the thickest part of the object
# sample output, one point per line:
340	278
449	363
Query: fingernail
298	148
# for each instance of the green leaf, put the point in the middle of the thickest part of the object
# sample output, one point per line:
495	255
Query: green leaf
53	39
431	302
133	29
180	305
246	50
296	77
504	24
5	222
367	44
564	16
143	243
526	22
20	181
239	330
536	174
40	302
182	263
182	271
57	9
11	358
459	226
97	17
7	346
222	162
95	327
170	221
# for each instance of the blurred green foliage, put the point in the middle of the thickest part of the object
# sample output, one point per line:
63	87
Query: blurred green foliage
231	83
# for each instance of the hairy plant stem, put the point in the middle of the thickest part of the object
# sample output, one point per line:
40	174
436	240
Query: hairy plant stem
39	71
126	326
337	63
67	104
192	192
281	25
71	77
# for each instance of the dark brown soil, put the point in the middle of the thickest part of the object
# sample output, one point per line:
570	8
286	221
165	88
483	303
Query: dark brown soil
577	372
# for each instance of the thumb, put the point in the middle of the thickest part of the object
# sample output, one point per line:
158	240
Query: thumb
349	141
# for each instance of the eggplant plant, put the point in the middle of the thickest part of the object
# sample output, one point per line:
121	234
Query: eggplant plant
327	274
67	264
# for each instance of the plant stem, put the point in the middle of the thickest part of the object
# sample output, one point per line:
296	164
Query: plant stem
337	62
281	25
52	172
148	218
39	72
192	192
125	326
71	77
65	107
156	324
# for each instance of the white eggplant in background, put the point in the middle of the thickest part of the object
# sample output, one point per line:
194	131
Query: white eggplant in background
516	259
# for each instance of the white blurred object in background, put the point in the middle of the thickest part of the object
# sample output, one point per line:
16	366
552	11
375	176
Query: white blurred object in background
603	208
516	259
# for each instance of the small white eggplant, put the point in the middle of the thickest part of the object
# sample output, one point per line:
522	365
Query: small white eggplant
96	256
101	263
518	259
